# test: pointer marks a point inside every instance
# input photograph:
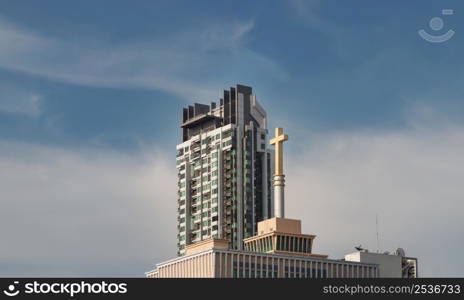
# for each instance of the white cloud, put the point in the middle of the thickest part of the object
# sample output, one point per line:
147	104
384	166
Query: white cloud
14	100
100	213
411	178
307	10
183	63
103	213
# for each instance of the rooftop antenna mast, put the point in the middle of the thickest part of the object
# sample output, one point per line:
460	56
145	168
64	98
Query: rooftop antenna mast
377	231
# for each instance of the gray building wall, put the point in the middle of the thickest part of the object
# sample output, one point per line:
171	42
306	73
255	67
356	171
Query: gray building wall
390	266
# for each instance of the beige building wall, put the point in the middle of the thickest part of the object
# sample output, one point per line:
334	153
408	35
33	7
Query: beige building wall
196	266
279	225
253	265
237	264
206	245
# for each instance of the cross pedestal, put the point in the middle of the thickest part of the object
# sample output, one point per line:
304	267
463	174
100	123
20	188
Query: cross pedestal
279	177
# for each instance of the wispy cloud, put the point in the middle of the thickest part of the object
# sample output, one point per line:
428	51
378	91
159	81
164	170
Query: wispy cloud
71	206
410	178
307	9
87	213
184	63
14	100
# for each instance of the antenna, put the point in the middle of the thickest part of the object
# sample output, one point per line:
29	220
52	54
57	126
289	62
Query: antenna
377	231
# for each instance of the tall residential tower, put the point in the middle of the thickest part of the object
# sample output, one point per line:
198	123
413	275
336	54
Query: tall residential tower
231	221
224	170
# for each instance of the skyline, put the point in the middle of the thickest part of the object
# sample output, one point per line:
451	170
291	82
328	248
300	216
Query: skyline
86	91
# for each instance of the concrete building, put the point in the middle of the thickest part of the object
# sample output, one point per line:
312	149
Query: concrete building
214	259
281	236
231	211
224	170
395	265
280	250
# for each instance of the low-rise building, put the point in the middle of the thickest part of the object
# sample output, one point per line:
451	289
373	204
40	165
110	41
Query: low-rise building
395	265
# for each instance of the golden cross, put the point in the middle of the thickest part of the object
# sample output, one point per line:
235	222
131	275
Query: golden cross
278	141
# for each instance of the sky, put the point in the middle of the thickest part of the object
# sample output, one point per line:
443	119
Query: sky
91	95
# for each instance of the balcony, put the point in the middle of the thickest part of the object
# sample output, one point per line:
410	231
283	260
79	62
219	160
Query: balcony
194	155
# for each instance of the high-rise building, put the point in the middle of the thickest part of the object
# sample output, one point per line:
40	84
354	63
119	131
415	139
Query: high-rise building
224	170
231	224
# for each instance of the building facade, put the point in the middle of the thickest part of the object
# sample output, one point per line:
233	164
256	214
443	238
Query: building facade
391	265
282	236
224	170
213	259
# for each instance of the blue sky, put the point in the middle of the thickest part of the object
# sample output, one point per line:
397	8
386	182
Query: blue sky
328	65
112	76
